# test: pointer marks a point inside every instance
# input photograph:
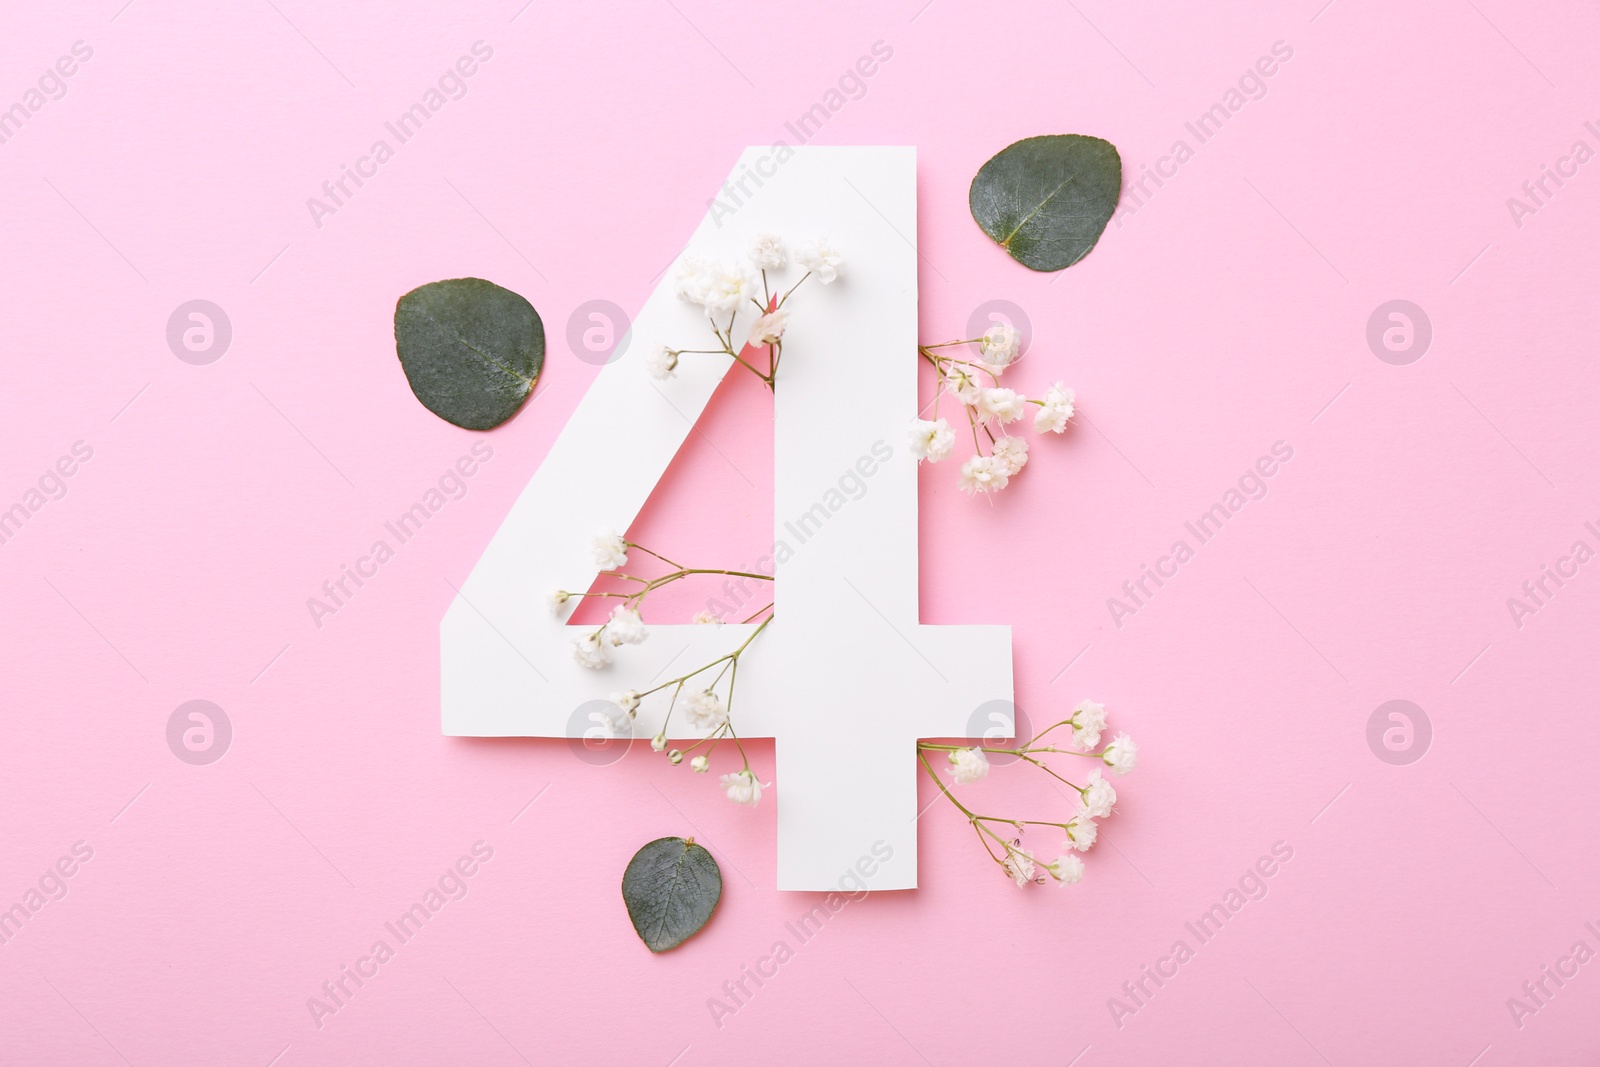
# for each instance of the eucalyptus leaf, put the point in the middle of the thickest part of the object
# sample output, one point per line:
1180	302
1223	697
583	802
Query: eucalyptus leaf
671	888
470	349
1048	199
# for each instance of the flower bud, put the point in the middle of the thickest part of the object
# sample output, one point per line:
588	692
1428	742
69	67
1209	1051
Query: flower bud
674	757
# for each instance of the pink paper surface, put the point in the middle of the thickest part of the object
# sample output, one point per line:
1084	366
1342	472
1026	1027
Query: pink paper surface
1227	311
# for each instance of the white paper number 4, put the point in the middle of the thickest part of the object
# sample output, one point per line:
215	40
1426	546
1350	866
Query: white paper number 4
846	679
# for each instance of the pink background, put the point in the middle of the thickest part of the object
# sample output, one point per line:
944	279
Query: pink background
1229	312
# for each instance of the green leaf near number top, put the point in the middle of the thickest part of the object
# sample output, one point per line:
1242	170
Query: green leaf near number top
1048	199
470	349
671	888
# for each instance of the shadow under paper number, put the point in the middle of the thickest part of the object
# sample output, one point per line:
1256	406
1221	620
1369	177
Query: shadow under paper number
597	332
1399	732
1399	332
199	732
199	332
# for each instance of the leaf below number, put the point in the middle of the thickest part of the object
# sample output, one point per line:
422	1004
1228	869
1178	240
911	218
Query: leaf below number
671	888
470	349
1048	199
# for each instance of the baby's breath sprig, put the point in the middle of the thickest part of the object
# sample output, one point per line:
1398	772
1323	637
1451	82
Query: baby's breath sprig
998	456
723	289
1095	797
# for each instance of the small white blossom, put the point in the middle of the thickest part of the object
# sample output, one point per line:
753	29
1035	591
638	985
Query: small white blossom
1057	409
618	719
821	258
557	599
769	328
693	279
932	441
658	742
968	765
1081	832
628	702
705	710
592	650
767	252
1012	454
728	289
610	551
1002	404
1067	870
699	764
1019	865
706	618
999	345
981	474
1121	754
661	363
742	788
1088	719
964	384
1098	796
626	627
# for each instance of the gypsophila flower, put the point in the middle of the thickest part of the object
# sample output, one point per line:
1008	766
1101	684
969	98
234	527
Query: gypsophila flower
982	474
1081	832
1011	453
999	345
1067	870
1098	796
769	327
706	618
932	441
1121	754
628	702
968	765
626	627
658	742
767	252
742	788
1088	719
728	288
592	650
1057	409
693	279
661	363
557	599
705	710
674	757
699	764
610	551
821	258
1019	865
618	719
964	384
1002	404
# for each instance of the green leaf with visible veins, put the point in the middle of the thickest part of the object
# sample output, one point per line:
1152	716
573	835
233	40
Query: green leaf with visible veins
671	888
470	349
1046	200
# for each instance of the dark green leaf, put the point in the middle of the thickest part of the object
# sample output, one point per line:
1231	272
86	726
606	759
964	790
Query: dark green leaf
671	888
471	350
1048	199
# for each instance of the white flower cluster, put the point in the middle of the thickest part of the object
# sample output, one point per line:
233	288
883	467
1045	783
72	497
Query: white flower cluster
1096	796
624	627
975	386
723	289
